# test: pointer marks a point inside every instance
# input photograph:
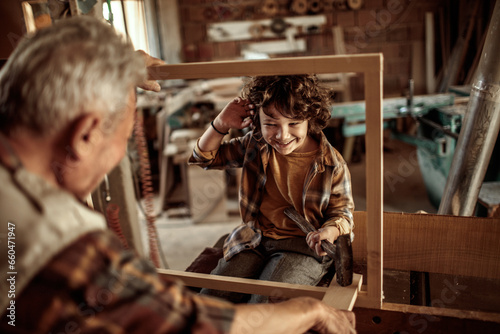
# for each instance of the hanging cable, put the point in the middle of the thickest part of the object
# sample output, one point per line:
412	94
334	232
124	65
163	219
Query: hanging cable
113	214
147	188
113	220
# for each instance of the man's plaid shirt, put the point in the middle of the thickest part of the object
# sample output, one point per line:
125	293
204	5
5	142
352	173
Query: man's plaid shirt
73	275
93	286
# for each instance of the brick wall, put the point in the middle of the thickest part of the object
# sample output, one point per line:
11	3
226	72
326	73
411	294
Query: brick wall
394	27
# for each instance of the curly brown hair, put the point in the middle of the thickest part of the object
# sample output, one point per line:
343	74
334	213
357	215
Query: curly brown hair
294	96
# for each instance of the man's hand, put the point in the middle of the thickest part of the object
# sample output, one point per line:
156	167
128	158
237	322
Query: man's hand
151	83
294	316
313	239
335	321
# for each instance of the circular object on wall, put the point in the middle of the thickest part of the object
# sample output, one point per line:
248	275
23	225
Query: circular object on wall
328	5
256	30
315	6
299	6
270	7
354	4
278	26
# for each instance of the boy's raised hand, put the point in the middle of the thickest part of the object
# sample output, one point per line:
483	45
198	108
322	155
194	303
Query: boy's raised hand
237	114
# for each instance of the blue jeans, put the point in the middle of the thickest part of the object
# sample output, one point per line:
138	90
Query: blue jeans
286	260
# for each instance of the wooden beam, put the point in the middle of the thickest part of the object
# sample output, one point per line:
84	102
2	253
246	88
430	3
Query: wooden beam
243	285
453	245
343	298
395	318
374	186
277	66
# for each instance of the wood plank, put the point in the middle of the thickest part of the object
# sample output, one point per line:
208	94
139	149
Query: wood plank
279	66
335	295
439	311
453	245
343	298
371	66
374	186
244	285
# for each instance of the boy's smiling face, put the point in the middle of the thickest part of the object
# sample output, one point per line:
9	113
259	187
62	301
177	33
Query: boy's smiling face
285	135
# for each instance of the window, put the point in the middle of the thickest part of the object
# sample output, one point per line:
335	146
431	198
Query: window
128	17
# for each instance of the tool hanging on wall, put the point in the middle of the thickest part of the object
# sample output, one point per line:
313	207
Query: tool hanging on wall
278	26
270	7
299	7
315	6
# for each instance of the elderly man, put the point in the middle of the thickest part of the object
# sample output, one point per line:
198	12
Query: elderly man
67	104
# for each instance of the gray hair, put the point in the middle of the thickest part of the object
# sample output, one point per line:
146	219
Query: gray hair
78	65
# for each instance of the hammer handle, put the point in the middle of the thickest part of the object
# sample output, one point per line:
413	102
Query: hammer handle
340	251
307	227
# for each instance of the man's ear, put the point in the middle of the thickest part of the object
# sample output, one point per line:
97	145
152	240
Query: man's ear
86	133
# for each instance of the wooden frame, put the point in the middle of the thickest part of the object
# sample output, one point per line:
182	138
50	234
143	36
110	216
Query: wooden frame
31	22
371	66
417	242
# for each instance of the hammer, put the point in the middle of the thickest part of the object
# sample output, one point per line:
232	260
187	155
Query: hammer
340	251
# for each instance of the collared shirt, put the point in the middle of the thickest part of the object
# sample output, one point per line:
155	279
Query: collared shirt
94	286
68	274
326	198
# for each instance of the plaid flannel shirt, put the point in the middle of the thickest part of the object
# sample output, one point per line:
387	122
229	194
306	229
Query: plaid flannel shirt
73	276
94	286
326	198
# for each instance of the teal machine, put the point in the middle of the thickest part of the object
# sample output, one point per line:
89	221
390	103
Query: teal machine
439	122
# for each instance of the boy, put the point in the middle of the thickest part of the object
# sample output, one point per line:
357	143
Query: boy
286	161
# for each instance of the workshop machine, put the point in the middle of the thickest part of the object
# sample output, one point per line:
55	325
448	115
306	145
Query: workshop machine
438	119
